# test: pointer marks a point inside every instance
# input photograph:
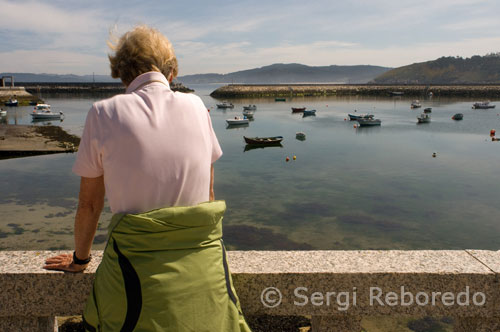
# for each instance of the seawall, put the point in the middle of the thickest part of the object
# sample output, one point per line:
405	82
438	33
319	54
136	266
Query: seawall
86	88
305	90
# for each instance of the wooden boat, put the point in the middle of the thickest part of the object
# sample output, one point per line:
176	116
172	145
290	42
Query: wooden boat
370	122
458	116
43	112
483	105
428	110
274	140
249	108
353	117
11	102
424	118
309	113
237	121
279	99
298	109
225	104
415	104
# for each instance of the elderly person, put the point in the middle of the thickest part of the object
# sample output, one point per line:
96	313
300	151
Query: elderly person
151	151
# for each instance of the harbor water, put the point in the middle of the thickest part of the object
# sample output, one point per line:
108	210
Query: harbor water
348	188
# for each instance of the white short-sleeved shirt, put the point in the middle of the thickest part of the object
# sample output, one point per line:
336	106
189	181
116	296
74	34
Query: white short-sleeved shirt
153	146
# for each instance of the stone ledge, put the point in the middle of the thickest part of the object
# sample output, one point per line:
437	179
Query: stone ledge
28	290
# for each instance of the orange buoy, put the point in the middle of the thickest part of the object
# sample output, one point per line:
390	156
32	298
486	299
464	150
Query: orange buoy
355	126
345	119
287	159
492	132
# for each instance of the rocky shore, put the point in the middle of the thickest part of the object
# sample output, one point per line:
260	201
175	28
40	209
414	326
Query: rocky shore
23	140
305	90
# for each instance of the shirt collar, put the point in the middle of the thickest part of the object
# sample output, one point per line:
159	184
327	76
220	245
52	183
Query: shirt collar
146	78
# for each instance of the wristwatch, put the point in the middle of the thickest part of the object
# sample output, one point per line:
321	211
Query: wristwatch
78	261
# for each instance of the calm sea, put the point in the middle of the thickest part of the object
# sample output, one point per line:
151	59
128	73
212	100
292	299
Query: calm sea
349	188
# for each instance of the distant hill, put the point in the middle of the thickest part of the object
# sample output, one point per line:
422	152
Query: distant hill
447	70
292	73
55	78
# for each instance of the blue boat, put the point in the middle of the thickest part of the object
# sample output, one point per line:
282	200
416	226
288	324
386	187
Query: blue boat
309	112
353	117
11	102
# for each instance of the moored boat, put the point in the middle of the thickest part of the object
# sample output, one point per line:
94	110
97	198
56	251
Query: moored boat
458	116
424	118
300	136
309	112
298	109
43	112
248	114
225	104
369	122
2	112
279	99
249	108
415	104
396	93
11	102
428	110
237	121
353	117
483	105
273	140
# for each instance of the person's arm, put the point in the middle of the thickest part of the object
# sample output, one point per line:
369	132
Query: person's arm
211	189
90	204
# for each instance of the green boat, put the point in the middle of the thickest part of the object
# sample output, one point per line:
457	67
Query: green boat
279	99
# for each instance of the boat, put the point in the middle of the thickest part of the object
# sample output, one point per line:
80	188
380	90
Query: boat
249	108
298	109
274	140
300	136
225	104
483	105
415	104
279	99
309	112
396	93
424	118
237	121
369	122
43	112
3	113
11	102
428	110
353	117
458	116
248	114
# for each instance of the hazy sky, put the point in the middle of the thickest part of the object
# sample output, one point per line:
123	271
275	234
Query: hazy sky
67	36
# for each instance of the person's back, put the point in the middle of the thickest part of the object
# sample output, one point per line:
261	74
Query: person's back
154	147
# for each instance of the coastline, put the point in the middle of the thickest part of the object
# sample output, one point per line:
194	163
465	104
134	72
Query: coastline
312	90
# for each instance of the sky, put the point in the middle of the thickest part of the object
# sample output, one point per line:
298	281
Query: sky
69	37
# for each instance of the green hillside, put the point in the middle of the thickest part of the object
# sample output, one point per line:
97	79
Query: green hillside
447	70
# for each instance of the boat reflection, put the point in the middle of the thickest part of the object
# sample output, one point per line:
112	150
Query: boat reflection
249	147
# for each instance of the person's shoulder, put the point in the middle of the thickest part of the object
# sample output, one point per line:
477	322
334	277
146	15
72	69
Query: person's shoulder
188	97
110	104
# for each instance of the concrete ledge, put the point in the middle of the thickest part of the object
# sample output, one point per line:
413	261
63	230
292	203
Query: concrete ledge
331	286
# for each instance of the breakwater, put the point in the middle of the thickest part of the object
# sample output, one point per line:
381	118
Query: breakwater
38	88
306	90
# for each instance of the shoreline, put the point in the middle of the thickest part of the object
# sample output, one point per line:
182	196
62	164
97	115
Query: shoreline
315	90
25	140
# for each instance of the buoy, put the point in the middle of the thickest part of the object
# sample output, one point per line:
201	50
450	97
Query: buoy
492	132
345	119
294	157
208	109
434	154
287	159
355	126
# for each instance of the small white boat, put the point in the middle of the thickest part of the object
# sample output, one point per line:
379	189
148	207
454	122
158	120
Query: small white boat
237	121
415	104
248	114
424	118
225	104
369	122
43	112
2	112
11	102
483	105
249	108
